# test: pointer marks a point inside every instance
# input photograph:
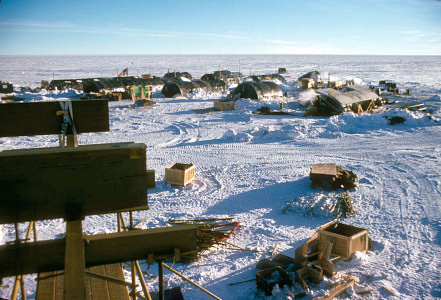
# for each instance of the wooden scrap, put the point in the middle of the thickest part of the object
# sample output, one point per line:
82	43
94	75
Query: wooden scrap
388	290
326	251
337	289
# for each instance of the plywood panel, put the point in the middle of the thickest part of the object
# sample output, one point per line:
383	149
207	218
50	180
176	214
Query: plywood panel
71	183
40	118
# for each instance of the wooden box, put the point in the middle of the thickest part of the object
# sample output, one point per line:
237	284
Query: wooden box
346	239
70	183
267	279
179	174
224	104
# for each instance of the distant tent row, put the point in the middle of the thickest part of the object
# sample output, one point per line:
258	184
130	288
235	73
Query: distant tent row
182	88
96	85
256	90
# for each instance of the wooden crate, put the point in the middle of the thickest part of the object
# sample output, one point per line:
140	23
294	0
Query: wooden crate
224	104
179	174
266	282
346	239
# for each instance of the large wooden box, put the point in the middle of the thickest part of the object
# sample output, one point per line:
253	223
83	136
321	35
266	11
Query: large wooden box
346	239
224	104
70	183
180	174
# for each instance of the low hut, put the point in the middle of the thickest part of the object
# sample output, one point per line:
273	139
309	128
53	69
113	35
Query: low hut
256	90
357	99
62	84
228	77
6	87
310	80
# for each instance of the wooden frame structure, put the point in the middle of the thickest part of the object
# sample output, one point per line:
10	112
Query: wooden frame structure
122	167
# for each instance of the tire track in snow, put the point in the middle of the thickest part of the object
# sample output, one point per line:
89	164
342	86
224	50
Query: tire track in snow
186	133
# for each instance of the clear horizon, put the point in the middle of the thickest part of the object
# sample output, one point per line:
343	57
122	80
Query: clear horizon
351	27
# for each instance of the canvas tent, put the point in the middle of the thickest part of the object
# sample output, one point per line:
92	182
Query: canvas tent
176	76
256	90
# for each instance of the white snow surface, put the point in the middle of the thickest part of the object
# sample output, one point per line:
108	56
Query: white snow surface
251	166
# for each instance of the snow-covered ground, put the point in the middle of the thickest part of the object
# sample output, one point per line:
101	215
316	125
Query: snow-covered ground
250	166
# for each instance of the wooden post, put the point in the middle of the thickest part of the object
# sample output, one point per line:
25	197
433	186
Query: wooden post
141	279
161	279
72	140
133	273
74	276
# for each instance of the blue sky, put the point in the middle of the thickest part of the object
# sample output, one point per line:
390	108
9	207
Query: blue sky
51	27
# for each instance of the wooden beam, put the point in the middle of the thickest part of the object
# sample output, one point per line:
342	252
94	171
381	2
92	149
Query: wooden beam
102	249
71	183
40	118
74	276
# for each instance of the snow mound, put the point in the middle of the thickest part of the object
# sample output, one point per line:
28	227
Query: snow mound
199	94
351	123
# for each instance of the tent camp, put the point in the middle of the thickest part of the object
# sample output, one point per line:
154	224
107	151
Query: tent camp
256	90
357	99
103	84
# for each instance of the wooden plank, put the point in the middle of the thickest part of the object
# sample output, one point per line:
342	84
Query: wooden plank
71	183
336	290
98	287
59	287
40	118
324	169
116	291
46	287
327	250
100	249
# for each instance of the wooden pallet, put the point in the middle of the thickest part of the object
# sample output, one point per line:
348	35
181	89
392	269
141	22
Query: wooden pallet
51	284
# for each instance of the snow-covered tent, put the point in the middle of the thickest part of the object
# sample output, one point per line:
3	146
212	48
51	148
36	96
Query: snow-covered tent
357	99
176	76
228	77
256	90
266	77
62	84
183	88
315	75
